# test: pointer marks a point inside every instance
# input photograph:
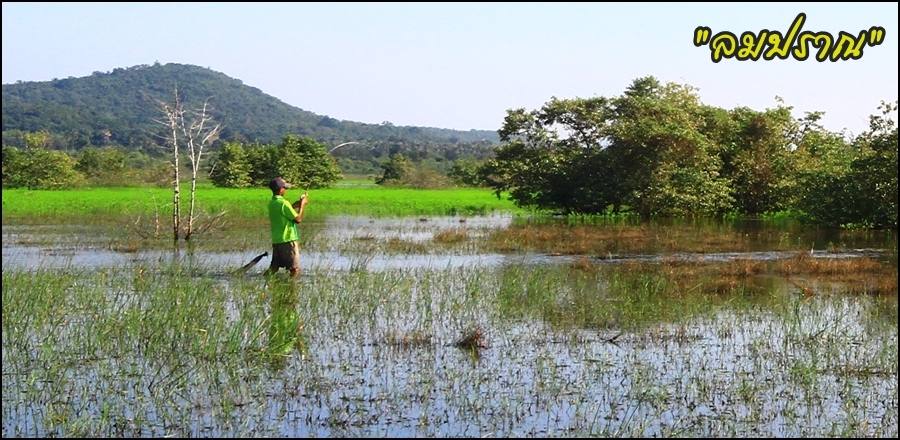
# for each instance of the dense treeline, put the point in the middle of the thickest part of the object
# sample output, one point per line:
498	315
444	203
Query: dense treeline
36	166
657	150
119	108
234	165
298	159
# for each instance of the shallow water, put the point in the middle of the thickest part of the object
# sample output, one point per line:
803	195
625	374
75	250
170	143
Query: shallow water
343	243
120	349
802	368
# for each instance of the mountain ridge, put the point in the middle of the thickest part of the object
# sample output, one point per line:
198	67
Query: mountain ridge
120	106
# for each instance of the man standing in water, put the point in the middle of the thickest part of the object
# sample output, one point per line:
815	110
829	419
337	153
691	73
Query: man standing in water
285	237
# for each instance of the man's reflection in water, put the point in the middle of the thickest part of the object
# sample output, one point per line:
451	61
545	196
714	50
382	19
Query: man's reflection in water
285	328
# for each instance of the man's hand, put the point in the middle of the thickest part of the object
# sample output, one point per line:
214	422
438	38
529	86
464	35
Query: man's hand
299	204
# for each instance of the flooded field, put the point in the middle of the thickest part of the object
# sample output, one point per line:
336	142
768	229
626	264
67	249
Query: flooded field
449	326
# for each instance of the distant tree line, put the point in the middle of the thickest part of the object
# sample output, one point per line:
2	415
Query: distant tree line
368	157
657	150
37	166
400	171
234	165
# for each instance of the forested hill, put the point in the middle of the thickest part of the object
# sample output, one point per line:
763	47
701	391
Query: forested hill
120	107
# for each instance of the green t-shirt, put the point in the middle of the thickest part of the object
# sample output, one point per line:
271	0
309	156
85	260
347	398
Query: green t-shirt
281	216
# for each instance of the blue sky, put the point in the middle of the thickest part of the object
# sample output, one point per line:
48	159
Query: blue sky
458	65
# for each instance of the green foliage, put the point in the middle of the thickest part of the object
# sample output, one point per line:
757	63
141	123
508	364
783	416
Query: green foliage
400	171
679	191
299	160
37	168
661	157
261	159
822	163
38	139
304	162
395	170
644	151
851	184
466	172
761	164
15	163
554	157
101	164
423	177
658	151
106	166
873	181
359	167
52	170
232	168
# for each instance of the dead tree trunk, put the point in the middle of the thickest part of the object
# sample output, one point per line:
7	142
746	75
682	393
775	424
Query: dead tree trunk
197	130
199	134
173	118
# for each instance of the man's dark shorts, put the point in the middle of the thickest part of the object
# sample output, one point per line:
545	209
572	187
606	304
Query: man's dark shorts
286	255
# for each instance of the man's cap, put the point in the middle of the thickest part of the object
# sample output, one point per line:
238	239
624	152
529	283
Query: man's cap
278	183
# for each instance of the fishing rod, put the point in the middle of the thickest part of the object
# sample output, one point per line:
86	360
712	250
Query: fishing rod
252	263
341	145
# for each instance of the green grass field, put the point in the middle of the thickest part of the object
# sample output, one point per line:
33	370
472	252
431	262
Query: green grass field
22	204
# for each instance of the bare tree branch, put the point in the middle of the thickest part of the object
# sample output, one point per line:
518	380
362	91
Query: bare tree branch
173	114
197	130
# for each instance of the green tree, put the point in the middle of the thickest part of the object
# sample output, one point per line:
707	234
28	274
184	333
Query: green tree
261	159
424	177
52	170
232	168
37	139
555	157
654	150
466	172
647	151
760	162
15	167
102	165
850	184
395	170
305	162
822	163
873	174
663	160
38	168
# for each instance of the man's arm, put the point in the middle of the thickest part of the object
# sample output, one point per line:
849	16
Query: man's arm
302	204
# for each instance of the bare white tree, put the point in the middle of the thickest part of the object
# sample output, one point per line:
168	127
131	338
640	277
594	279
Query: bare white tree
197	129
199	133
173	117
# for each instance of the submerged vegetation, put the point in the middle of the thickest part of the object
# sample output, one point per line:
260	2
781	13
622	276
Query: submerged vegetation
613	238
642	349
389	332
